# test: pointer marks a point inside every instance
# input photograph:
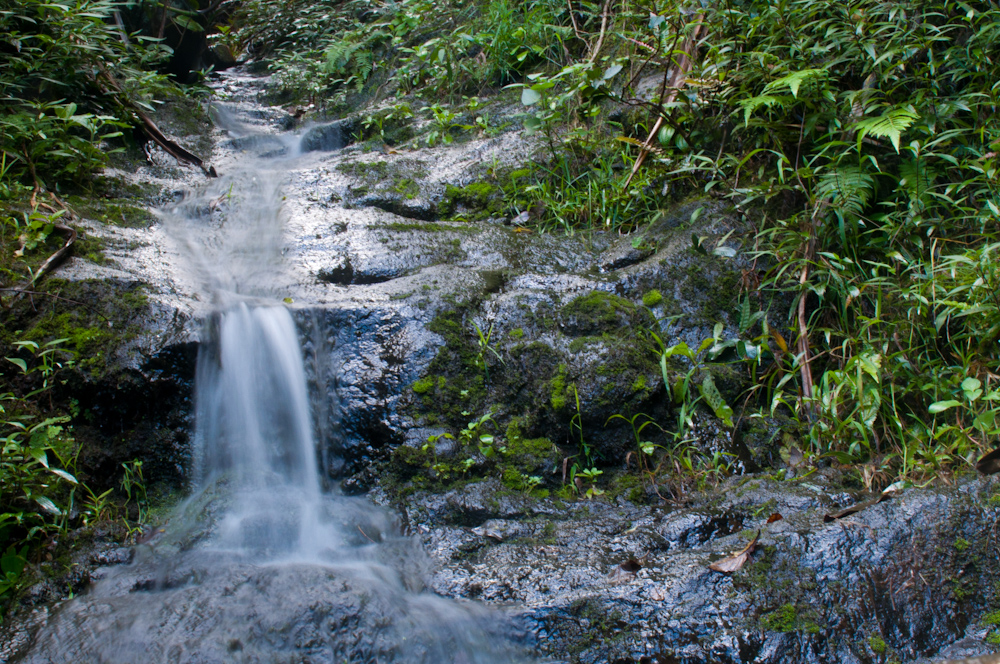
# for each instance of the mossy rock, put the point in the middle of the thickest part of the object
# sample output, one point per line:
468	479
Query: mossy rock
474	202
599	312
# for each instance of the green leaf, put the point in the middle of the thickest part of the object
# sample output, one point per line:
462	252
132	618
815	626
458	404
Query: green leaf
794	80
63	474
48	505
890	125
715	401
940	406
529	97
18	362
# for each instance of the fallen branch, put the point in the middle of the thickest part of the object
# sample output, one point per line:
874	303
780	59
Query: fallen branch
171	147
153	132
683	66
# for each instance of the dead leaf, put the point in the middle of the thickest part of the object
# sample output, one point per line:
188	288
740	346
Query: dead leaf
774	517
735	562
792	456
854	509
990	463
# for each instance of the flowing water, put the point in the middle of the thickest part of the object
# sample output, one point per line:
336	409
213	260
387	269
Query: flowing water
261	564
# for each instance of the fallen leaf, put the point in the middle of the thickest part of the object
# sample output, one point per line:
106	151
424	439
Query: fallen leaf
774	517
990	463
735	562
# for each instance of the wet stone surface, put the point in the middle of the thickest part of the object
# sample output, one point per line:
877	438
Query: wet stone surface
906	579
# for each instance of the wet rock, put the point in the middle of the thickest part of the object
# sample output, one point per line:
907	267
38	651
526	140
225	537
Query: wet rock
813	592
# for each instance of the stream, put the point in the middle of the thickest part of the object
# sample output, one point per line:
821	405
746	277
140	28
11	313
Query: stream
263	563
334	292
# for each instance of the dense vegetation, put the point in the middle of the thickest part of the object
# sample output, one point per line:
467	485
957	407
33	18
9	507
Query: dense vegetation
73	84
857	140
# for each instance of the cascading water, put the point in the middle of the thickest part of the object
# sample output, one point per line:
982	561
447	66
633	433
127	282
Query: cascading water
260	564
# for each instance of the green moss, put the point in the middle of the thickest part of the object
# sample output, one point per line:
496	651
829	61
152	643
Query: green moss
477	201
557	389
782	620
652	298
991	619
113	212
598	312
962	545
408	187
424	385
516	334
566	493
365	169
93	330
877	645
639	383
423	226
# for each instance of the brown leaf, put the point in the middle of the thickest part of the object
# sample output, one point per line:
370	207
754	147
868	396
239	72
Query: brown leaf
990	463
735	562
854	509
774	517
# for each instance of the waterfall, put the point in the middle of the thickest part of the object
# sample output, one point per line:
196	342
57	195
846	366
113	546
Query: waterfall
260	564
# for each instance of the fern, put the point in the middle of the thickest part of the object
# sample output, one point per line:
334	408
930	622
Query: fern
849	189
889	125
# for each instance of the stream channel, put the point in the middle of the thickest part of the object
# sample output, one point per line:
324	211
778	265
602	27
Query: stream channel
309	275
263	563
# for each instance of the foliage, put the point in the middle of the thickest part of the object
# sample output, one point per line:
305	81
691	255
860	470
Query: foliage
70	82
858	141
37	483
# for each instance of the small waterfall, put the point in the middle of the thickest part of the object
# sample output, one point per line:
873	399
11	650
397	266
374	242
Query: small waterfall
255	431
260	564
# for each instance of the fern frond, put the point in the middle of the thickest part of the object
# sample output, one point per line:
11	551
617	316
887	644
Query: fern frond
848	188
890	124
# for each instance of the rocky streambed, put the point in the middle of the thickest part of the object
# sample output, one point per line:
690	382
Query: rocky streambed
421	307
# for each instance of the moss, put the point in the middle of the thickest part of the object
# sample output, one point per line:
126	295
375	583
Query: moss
365	169
557	389
782	620
599	312
424	385
962	545
93	331
639	384
628	485
407	187
112	212
516	334
477	201
652	298
423	226
991	619
566	493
